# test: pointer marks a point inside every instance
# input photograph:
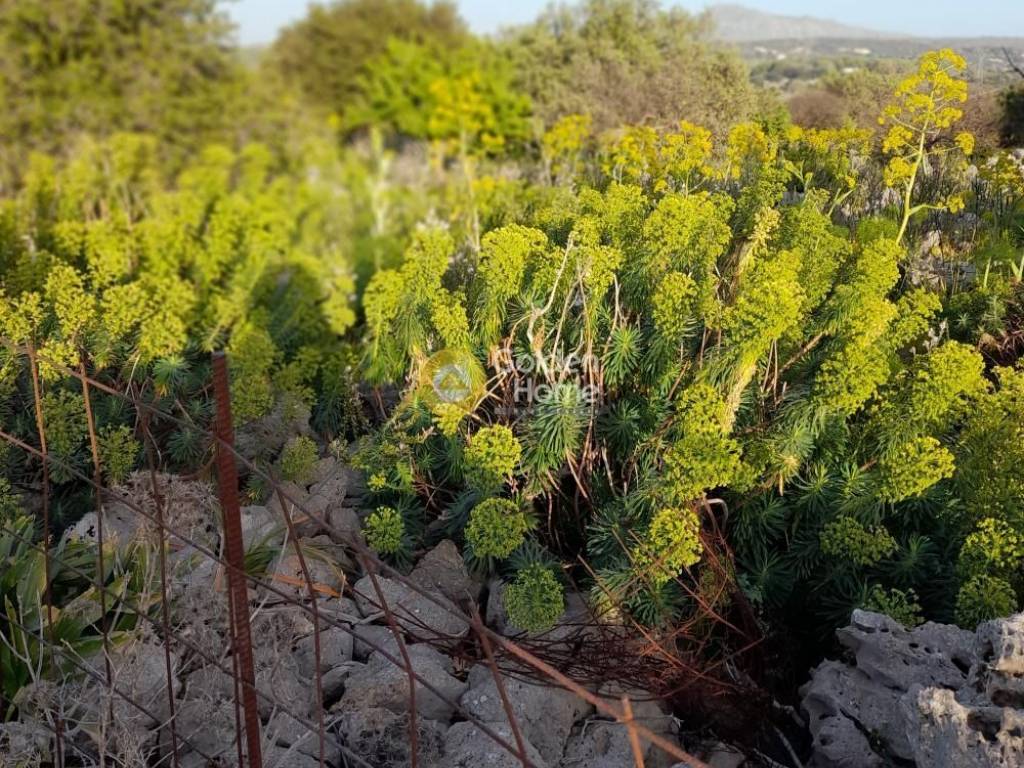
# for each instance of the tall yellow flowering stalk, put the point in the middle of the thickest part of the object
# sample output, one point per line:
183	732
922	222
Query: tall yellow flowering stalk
925	105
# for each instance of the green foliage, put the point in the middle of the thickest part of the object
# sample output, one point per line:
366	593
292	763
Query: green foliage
119	452
672	542
927	103
1012	123
912	468
534	599
144	276
710	356
556	428
78	621
896	604
497	527
982	598
624	62
328	53
72	67
298	459
679	324
704	457
994	548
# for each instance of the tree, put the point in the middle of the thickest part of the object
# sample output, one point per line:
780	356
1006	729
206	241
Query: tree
1012	102
628	62
100	66
327	53
465	94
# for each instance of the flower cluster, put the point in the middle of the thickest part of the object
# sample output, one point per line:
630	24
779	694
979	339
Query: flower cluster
535	599
848	538
497	527
672	543
492	456
385	530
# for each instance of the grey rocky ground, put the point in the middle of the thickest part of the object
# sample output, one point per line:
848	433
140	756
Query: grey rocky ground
931	696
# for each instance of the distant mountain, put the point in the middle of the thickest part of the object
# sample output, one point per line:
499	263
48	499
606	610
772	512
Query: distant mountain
739	24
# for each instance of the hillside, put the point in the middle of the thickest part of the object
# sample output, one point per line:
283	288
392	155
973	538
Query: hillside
739	24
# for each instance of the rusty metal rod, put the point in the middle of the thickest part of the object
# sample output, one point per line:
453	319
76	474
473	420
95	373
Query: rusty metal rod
227	484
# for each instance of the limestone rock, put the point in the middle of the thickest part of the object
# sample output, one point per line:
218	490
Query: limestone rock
545	714
140	671
935	695
207	727
258	525
384	684
381	737
344	526
370	638
1000	665
465	746
283	730
443	570
598	741
420	616
946	734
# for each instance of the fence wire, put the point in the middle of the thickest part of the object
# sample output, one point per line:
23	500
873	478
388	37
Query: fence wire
549	661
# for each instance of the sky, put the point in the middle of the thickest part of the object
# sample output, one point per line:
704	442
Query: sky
259	20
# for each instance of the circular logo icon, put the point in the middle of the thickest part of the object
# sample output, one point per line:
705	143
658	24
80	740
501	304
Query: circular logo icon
452	377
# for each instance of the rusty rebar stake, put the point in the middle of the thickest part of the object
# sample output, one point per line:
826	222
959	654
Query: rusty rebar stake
227	485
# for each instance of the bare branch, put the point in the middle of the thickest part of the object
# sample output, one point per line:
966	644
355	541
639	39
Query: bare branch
1013	65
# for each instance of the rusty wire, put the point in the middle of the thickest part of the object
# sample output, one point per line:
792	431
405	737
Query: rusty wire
203	654
241	634
484	633
483	727
270	587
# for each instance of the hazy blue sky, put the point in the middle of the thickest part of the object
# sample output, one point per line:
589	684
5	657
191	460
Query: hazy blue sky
259	20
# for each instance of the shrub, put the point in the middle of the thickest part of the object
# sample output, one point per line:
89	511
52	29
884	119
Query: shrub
897	604
119	451
983	598
672	543
848	538
298	459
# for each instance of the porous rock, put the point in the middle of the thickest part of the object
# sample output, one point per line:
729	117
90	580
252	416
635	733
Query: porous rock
935	695
381	737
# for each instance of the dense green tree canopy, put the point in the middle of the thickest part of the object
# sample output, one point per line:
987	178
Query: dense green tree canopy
97	66
326	53
628	61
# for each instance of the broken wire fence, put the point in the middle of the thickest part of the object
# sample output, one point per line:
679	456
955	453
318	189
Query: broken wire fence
577	660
